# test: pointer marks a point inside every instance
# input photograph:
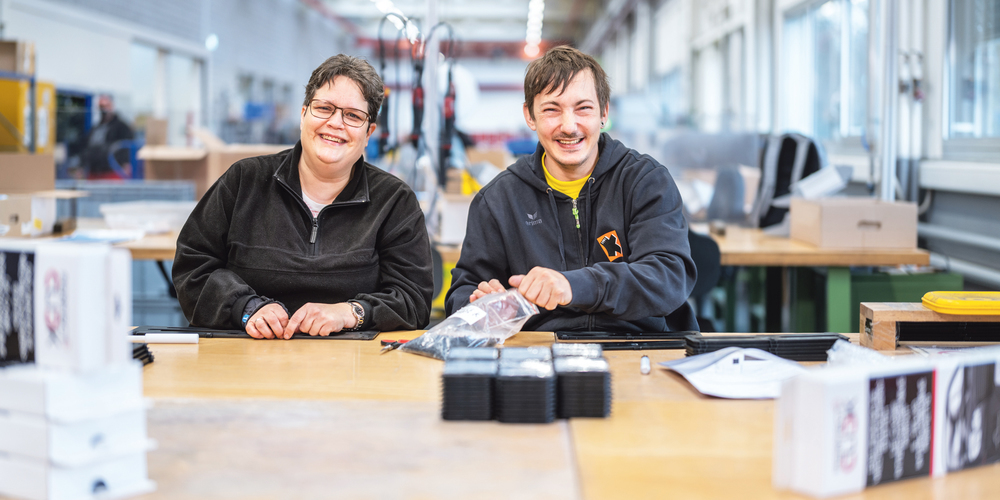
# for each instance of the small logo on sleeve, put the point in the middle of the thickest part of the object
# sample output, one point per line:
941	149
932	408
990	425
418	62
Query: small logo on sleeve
610	243
533	219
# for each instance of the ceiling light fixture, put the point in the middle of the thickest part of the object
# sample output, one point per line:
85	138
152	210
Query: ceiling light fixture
533	35
398	19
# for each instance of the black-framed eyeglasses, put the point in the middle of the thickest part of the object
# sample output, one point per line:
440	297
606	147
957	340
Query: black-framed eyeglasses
324	110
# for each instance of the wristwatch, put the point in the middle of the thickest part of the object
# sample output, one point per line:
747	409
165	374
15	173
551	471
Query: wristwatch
359	314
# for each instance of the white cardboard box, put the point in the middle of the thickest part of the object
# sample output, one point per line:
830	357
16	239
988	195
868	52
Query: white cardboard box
39	480
119	307
71	320
73	444
854	223
841	429
65	396
65	305
454	217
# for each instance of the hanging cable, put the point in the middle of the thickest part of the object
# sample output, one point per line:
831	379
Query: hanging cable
448	105
383	117
417	59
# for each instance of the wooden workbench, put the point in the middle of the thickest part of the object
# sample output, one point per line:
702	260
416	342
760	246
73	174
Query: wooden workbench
738	247
336	419
752	247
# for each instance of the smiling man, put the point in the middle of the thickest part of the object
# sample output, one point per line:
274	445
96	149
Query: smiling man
586	228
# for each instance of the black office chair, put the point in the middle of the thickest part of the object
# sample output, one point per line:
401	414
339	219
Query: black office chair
707	258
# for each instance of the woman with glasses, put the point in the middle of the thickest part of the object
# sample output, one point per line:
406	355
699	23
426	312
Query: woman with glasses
312	239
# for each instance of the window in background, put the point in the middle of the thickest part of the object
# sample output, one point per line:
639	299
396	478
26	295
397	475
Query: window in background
673	100
974	69
143	74
709	89
824	61
183	97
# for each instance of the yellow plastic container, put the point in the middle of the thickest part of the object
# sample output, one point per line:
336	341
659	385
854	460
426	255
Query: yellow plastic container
964	303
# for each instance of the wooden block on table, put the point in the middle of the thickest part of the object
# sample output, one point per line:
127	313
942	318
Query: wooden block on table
880	321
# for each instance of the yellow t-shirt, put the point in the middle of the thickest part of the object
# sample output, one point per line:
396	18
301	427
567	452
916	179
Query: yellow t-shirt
568	188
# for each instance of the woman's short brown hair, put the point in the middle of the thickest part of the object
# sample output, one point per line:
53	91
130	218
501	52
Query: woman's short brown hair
354	68
556	69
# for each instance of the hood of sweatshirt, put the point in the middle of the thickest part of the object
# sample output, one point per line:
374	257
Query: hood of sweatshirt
529	168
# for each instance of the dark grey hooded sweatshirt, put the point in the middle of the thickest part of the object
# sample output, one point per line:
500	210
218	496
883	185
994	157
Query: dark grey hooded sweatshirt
628	262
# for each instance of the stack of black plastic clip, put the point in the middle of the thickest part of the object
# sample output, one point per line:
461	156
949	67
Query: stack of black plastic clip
468	383
583	381
526	386
797	347
141	352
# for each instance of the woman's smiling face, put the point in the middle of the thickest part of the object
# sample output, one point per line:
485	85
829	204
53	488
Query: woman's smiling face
330	143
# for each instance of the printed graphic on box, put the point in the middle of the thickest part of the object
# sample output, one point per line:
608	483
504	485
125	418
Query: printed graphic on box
17	337
900	418
55	310
972	411
845	435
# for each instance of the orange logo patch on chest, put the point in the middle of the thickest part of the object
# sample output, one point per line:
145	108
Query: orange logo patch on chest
611	244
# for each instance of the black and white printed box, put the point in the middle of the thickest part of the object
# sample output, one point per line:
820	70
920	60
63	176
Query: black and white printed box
64	305
841	429
120	477
73	443
66	396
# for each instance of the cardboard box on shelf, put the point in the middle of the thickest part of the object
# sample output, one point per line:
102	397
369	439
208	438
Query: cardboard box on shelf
27	173
203	165
20	100
156	132
854	223
15	213
31	214
17	56
500	158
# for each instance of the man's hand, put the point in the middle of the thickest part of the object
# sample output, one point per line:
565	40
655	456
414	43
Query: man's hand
544	287
493	286
268	322
321	319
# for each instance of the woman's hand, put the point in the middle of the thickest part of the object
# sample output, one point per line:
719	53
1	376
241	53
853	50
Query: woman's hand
268	322
321	319
485	288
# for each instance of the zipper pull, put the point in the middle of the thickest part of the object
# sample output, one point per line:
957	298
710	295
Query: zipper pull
576	214
312	239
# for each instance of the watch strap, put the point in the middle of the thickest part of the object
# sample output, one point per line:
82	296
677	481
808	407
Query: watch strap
359	314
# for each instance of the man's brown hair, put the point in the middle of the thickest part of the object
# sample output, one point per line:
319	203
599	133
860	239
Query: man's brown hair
556	69
357	70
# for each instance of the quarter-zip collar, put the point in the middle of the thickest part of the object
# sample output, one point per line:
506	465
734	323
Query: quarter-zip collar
354	193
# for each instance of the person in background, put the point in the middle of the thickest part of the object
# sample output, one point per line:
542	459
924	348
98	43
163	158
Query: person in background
587	229
312	239
95	146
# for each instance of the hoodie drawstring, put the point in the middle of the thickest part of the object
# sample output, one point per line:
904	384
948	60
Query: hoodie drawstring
586	222
555	217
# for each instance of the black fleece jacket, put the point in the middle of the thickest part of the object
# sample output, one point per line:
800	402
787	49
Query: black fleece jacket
628	263
252	235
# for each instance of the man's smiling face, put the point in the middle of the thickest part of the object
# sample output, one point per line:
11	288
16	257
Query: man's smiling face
568	124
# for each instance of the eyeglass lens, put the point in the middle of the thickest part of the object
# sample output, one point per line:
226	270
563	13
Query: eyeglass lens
324	110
